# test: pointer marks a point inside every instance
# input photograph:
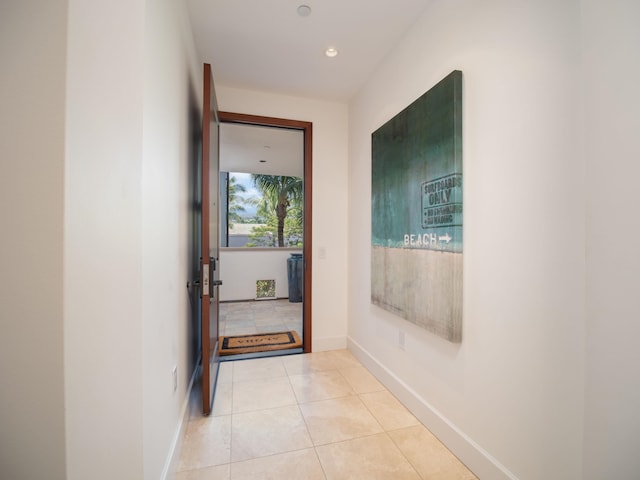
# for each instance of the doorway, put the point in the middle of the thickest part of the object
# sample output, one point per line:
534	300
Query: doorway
265	303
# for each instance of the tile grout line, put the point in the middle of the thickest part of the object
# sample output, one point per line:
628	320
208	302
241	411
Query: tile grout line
313	445
233	388
415	468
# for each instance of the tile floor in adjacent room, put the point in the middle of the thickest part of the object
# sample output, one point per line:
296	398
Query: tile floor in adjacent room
317	416
260	316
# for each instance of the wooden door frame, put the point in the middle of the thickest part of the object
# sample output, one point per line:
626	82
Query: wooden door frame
307	129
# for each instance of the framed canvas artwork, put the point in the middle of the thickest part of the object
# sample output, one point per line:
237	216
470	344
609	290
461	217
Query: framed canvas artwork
417	211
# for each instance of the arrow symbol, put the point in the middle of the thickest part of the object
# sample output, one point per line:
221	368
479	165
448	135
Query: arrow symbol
446	238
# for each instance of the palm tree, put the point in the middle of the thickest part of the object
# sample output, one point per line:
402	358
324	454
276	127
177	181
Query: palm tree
279	191
236	200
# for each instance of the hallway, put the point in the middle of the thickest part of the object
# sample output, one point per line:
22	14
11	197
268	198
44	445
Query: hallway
318	416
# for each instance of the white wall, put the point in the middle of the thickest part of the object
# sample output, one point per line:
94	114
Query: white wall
130	66
32	95
103	293
171	70
330	125
240	269
612	150
509	399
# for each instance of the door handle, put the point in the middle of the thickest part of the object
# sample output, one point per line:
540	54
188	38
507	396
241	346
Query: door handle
217	283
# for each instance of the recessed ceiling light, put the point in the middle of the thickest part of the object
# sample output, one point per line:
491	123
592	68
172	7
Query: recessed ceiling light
304	10
331	52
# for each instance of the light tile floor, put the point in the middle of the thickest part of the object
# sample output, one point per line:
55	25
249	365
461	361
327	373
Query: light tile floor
317	416
260	316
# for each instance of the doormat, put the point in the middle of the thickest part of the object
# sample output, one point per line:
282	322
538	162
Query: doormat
262	342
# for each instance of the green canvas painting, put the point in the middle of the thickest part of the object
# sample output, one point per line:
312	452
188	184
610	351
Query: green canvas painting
417	211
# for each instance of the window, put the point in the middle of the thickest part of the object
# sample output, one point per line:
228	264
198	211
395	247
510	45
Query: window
261	210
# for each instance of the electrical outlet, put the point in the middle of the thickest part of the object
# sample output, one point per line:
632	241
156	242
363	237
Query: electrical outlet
401	339
174	375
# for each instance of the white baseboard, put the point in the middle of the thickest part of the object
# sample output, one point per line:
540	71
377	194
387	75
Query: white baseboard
328	343
171	464
478	460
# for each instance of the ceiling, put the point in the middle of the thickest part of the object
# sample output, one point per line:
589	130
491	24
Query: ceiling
266	45
264	150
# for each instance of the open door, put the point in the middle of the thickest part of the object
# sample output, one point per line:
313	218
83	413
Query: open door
209	267
307	129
